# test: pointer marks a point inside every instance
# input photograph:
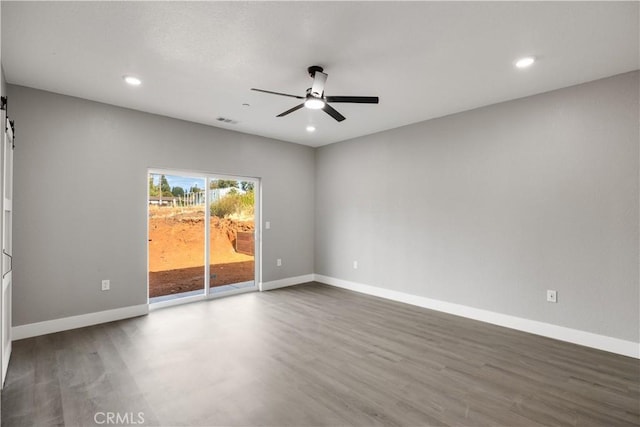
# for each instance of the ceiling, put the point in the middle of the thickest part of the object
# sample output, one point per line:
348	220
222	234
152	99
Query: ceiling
198	60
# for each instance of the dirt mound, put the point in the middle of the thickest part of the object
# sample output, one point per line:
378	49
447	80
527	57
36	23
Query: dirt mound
176	250
231	227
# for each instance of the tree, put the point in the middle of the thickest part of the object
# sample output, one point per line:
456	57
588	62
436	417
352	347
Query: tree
195	189
247	186
177	191
223	183
153	189
164	185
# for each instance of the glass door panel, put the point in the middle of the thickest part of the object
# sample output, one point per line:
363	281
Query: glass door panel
232	234
176	236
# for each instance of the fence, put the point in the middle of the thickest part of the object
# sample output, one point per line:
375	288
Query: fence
190	199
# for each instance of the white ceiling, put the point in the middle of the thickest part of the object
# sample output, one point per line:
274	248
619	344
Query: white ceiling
198	60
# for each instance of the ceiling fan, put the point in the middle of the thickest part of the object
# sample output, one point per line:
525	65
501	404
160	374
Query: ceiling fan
315	98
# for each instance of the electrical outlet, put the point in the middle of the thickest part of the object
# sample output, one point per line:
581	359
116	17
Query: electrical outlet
278	262
267	225
106	285
355	265
552	296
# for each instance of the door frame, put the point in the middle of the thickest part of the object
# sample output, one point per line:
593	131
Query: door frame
6	244
207	295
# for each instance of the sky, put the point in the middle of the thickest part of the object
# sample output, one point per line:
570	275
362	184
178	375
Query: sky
180	181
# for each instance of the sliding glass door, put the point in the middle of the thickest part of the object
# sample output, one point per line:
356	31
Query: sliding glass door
201	235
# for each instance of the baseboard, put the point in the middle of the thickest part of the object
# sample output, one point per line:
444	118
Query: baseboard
289	281
588	339
575	336
73	322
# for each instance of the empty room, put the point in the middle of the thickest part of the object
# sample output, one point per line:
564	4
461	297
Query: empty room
320	213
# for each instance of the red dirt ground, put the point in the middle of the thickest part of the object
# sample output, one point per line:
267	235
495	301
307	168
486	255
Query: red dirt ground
176	250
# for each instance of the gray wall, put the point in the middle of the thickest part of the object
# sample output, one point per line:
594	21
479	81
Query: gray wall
491	207
487	208
80	199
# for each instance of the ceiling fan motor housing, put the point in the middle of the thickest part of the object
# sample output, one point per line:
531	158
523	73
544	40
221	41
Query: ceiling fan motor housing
312	70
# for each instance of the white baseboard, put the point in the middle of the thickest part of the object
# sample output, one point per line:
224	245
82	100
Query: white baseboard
73	322
575	336
289	281
588	339
80	321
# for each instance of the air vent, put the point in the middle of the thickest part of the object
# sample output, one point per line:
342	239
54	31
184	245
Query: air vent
225	120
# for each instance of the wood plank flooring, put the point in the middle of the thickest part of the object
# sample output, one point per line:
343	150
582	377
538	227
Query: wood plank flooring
313	355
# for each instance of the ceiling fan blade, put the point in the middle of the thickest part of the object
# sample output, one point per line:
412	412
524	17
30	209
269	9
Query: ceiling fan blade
278	93
297	107
333	113
319	79
354	99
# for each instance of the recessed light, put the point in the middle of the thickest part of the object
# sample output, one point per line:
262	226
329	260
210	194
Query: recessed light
525	62
311	128
132	81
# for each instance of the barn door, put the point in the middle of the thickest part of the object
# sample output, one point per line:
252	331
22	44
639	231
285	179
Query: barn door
7	248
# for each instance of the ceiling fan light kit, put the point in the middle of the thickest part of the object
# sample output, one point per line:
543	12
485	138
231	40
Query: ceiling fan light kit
314	103
315	98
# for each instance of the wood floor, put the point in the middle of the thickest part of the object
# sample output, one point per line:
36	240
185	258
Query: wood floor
313	355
